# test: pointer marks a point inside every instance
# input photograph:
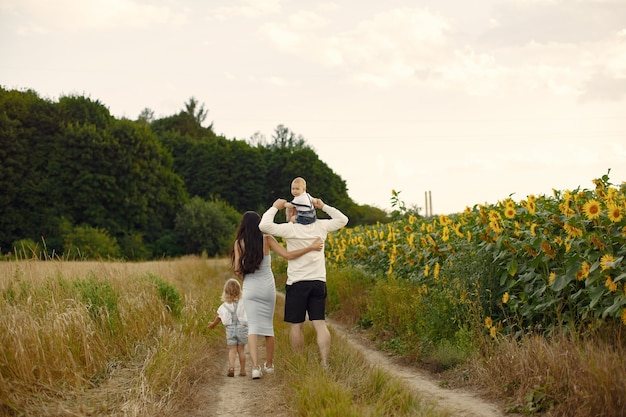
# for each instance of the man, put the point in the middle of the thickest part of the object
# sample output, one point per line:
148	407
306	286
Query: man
306	275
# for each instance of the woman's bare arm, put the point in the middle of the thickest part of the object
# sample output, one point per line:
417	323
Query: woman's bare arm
236	262
318	245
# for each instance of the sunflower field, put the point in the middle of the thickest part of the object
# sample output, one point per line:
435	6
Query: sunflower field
535	265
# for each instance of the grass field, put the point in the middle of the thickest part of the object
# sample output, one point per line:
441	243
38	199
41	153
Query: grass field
131	339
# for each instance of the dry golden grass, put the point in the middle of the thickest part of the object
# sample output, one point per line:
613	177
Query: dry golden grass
561	376
63	355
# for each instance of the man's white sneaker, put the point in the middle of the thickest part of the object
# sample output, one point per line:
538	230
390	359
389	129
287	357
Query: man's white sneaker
268	370
256	373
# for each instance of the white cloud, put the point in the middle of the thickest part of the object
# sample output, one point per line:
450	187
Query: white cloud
307	20
282	36
37	17
251	9
382	51
415	47
477	74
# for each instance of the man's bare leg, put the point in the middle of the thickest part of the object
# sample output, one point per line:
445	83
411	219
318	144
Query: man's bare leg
323	339
296	336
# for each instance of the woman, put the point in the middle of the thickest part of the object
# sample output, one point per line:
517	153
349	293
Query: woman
252	263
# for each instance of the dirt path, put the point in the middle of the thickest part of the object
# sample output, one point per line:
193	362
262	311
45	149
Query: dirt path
243	396
458	402
240	395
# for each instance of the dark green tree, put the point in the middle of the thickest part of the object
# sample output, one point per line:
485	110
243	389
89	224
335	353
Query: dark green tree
119	178
186	122
73	160
26	121
82	110
206	226
86	242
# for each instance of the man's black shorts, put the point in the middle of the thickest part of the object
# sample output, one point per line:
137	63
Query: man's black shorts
305	297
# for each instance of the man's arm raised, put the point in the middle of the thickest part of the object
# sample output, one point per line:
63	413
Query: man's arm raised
337	218
269	227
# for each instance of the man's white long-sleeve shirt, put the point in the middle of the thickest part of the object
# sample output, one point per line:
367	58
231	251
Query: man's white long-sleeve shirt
311	266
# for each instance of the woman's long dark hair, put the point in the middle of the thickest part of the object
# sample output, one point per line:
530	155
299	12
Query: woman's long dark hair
250	241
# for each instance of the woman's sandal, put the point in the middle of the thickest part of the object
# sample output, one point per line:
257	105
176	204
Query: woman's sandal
231	371
242	373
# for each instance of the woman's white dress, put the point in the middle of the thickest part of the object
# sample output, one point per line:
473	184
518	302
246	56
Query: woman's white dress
259	299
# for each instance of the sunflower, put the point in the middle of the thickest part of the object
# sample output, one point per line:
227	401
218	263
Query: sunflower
597	243
445	234
488	322
505	298
572	231
530	250
624	316
509	212
615	213
566	209
548	250
585	269
551	278
607	261
592	209
612	286
492	332
495	226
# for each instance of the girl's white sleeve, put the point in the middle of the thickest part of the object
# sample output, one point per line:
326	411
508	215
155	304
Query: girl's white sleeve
225	315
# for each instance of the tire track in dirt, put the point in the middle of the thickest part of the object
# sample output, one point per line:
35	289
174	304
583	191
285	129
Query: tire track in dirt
459	403
240	396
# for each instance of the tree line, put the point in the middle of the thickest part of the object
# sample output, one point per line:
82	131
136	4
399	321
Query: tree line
77	182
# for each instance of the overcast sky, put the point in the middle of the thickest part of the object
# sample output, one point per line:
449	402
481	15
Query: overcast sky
471	100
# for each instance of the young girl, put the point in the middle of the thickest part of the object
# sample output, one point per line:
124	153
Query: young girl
233	315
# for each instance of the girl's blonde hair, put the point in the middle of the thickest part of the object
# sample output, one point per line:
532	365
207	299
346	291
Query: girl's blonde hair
232	291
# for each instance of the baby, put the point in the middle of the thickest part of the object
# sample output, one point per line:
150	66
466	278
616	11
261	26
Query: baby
300	209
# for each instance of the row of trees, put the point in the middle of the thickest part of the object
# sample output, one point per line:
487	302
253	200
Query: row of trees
71	175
